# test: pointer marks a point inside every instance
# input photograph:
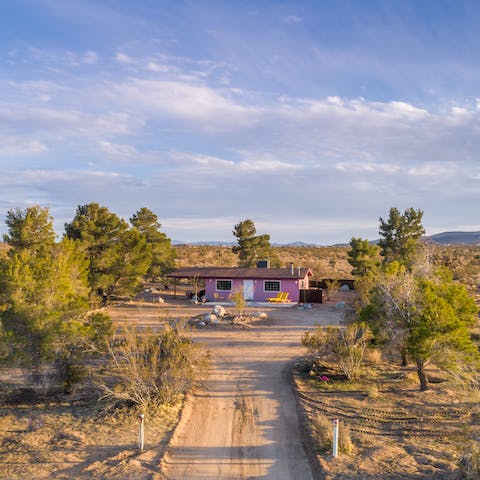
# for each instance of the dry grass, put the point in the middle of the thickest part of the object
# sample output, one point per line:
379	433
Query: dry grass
64	441
372	355
398	431
326	262
323	435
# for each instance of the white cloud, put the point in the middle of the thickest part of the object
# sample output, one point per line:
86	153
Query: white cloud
13	146
90	57
292	19
191	102
156	67
125	59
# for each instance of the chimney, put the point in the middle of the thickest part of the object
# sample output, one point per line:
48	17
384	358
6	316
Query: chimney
292	271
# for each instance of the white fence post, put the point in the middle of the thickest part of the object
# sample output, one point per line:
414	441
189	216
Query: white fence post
141	433
335	438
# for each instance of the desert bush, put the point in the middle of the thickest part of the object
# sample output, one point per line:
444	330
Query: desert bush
372	391
240	302
372	355
323	435
469	464
151	369
333	286
345	346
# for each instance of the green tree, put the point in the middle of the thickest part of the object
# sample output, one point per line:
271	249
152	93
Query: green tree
44	291
363	257
441	325
30	229
163	255
400	235
252	247
428	318
119	256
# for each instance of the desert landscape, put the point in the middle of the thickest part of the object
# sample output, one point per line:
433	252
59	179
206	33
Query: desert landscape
251	417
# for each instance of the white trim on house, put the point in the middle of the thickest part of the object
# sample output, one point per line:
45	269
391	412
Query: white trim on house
272	281
223	280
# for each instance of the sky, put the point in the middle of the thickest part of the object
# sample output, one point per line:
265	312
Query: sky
312	118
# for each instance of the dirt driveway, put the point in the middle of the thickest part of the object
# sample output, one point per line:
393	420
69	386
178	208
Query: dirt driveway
244	424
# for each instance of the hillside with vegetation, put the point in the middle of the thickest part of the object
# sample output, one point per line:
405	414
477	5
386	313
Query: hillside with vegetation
332	262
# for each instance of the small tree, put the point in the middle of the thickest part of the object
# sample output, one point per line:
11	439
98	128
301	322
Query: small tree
333	286
238	298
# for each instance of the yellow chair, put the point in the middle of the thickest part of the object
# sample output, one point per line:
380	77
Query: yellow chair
281	297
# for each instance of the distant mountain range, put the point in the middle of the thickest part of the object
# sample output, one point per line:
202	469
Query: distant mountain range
231	244
465	238
444	238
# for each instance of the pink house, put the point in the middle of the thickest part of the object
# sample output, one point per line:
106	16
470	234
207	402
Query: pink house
257	284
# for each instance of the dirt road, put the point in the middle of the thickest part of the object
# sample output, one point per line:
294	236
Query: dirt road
244	424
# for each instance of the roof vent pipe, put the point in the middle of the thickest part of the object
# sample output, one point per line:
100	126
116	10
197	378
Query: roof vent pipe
292	271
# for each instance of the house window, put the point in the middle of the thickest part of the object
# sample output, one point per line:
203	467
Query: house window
224	285
271	286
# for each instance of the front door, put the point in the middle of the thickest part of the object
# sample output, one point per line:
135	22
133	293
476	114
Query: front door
248	289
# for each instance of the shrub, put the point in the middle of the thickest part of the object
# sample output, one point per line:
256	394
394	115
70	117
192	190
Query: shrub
323	435
239	300
469	464
344	346
372	355
372	391
151	369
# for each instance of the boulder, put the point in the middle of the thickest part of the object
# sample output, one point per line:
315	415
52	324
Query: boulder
209	317
219	311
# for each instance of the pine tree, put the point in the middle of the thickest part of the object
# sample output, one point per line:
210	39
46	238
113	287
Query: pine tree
363	257
252	247
119	256
400	235
163	255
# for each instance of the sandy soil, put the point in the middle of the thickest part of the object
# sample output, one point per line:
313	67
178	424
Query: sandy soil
241	424
244	424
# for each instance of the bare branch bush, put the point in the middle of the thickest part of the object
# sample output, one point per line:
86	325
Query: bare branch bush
344	346
150	369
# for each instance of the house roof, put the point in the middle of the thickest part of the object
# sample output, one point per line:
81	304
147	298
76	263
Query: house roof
237	272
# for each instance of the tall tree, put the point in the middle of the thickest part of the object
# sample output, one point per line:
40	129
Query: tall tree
163	255
363	257
30	229
400	235
119	256
43	291
252	247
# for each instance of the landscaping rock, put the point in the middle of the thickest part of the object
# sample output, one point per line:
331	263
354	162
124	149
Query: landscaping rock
219	311
209	317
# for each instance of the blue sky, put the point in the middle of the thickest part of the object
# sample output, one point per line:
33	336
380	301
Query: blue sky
313	118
